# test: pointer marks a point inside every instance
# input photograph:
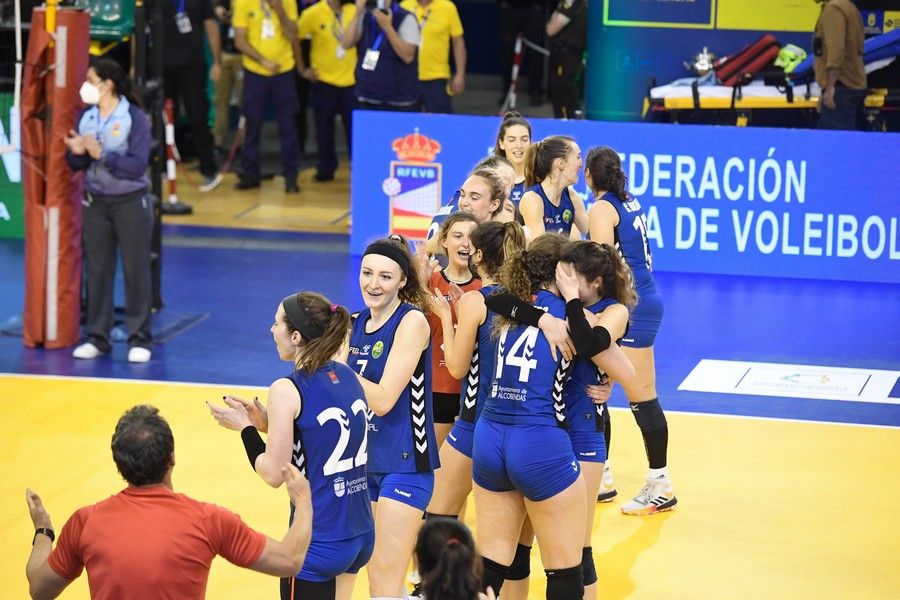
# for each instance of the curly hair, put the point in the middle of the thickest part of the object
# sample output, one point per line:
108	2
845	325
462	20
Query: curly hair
525	273
593	260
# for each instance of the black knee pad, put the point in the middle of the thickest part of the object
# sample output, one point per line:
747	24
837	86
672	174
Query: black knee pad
295	589
649	415
588	569
428	516
521	566
565	584
493	575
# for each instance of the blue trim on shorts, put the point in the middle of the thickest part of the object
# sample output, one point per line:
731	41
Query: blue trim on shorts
462	437
327	559
414	489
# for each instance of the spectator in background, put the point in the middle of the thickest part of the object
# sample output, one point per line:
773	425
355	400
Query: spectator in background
184	73
148	541
112	147
301	53
230	75
440	29
331	74
387	40
838	63
567	39
528	17
265	31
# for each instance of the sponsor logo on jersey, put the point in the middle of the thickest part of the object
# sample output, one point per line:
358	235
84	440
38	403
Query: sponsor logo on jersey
377	349
339	487
567	216
333	377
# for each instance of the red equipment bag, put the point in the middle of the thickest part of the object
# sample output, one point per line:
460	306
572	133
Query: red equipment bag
751	60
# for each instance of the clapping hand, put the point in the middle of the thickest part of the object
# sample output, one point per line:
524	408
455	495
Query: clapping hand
74	142
235	415
91	146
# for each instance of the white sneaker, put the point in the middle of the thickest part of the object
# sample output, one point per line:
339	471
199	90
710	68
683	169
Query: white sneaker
210	183
656	496
138	355
607	487
86	351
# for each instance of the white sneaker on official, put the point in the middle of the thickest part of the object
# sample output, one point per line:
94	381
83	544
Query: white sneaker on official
607	487
136	354
656	496
86	351
210	183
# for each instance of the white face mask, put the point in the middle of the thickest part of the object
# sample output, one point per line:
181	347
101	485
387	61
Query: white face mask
90	93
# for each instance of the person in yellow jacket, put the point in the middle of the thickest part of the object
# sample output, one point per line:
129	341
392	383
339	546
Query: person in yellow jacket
331	74
441	30
265	32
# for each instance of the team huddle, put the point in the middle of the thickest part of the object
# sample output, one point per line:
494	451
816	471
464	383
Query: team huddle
481	363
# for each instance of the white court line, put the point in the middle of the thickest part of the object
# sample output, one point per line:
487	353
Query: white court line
611	408
792	381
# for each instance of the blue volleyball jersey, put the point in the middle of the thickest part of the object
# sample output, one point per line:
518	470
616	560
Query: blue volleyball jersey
528	382
402	441
516	194
330	436
557	219
442	215
582	413
631	238
477	384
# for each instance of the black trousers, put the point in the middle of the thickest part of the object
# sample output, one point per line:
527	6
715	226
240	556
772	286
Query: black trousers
188	85
847	111
124	222
328	102
564	70
530	21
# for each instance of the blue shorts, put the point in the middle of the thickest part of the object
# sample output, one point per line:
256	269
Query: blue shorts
325	560
414	489
589	446
645	320
536	460
462	437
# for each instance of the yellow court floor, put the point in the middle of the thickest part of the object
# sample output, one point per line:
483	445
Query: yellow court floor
767	509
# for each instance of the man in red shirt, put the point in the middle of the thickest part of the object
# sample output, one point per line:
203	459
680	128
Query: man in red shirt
148	541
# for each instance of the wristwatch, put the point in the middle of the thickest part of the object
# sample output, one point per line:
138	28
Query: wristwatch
46	531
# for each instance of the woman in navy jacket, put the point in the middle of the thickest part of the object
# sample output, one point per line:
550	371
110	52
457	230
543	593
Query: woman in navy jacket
112	147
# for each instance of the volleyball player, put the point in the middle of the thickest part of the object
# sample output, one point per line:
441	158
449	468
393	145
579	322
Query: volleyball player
390	349
598	276
513	140
525	411
616	218
315	419
470	350
550	203
450	282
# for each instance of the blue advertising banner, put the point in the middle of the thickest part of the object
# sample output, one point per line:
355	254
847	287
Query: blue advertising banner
743	201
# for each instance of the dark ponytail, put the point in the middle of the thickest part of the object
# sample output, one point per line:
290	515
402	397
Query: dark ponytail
497	241
540	157
110	70
447	561
593	260
605	167
333	320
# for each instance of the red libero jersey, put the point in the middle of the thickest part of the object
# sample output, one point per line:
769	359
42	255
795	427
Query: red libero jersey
441	380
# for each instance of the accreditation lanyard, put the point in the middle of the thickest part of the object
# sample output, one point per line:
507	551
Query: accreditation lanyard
378	40
182	21
267	30
337	27
425	20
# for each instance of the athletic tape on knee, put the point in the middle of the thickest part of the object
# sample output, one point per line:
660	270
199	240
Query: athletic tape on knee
565	584
521	566
588	569
493	575
649	415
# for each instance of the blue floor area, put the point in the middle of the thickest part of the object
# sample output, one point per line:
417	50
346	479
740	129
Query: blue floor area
706	316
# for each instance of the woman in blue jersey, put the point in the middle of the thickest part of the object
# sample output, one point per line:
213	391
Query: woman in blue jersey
513	140
316	419
390	349
617	219
550	203
597	276
524	411
469	351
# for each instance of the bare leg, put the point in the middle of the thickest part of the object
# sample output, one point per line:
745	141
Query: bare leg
396	527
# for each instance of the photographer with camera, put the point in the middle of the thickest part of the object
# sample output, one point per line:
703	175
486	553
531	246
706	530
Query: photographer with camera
387	41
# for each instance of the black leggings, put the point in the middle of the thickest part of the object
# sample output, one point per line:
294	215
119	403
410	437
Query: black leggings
297	589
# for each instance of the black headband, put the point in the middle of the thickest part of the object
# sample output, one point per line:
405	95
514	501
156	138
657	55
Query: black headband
390	250
298	316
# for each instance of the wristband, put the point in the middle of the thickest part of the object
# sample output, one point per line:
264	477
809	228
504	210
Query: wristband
253	444
45	531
